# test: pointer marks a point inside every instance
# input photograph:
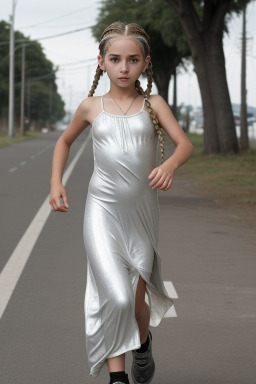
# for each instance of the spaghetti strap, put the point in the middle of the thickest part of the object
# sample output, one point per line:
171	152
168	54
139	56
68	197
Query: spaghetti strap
143	105
102	105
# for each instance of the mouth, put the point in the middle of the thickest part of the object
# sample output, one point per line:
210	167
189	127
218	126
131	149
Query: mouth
123	78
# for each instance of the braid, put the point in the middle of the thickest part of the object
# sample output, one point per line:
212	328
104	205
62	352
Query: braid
97	76
149	72
152	116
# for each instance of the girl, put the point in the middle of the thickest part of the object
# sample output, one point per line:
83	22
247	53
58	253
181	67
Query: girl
120	228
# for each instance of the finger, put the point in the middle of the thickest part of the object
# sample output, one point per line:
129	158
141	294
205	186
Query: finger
164	184
153	173
156	178
159	182
65	200
63	209
168	185
53	204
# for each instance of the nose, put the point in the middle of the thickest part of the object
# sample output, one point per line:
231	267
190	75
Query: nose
123	67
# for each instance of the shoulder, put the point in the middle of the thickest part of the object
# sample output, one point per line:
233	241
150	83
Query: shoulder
89	102
158	103
89	107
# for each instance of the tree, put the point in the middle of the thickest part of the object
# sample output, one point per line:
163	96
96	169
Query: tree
166	53
204	23
40	75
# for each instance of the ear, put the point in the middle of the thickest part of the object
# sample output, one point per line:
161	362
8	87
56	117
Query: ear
147	61
101	63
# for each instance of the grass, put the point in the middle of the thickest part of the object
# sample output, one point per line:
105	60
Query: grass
5	140
229	179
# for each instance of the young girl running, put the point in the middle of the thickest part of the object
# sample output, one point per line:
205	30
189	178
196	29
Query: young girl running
121	215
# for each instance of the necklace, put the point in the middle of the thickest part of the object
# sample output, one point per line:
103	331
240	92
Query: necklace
128	107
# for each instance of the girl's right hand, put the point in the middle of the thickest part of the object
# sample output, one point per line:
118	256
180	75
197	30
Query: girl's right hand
58	191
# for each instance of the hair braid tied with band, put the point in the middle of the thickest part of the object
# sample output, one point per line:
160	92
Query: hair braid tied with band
136	32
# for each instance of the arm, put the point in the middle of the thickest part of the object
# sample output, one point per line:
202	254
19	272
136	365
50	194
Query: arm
162	176
61	153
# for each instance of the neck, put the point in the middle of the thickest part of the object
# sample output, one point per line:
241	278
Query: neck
122	93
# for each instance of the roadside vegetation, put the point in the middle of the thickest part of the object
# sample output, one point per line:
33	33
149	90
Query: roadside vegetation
5	140
228	179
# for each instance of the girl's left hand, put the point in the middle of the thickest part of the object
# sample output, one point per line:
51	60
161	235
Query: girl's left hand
162	178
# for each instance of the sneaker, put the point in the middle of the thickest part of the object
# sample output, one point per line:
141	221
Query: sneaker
143	365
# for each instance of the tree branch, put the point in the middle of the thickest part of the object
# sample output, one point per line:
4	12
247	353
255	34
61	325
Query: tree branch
174	4
207	14
221	9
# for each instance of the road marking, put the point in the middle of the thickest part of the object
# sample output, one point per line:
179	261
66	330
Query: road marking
32	157
13	169
23	163
173	295
170	289
16	263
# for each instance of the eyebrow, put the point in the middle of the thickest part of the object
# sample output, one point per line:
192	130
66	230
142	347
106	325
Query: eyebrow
115	55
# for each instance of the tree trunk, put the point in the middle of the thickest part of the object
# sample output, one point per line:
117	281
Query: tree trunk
211	136
205	40
221	106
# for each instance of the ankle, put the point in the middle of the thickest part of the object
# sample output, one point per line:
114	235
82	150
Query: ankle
144	346
119	376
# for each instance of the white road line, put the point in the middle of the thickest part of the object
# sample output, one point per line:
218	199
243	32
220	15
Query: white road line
13	169
173	294
170	289
16	263
32	157
23	163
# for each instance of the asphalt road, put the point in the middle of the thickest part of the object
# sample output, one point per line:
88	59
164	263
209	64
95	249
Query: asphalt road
208	254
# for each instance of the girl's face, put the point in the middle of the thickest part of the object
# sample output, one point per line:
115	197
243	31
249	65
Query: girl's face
123	61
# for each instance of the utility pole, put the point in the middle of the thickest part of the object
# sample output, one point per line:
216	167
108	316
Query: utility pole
244	141
11	73
50	106
22	96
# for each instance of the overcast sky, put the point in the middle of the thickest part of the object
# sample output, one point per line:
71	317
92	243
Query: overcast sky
37	19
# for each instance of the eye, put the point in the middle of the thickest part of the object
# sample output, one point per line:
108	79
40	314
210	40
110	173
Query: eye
114	59
134	60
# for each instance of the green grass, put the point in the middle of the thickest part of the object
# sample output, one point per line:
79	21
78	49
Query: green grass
5	140
230	178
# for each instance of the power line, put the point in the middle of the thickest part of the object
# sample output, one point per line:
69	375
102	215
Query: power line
57	18
60	26
49	37
77	62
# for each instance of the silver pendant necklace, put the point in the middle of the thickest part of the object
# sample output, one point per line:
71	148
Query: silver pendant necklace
128	107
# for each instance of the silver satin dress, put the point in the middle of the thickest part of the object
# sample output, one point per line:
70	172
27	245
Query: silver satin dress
120	232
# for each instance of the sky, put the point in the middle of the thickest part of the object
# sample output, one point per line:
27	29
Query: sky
76	54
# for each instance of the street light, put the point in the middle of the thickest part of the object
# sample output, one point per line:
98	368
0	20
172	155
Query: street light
11	73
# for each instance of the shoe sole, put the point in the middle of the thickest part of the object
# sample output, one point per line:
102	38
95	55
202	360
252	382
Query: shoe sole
136	382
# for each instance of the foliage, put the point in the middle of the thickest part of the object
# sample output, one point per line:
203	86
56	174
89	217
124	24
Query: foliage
39	73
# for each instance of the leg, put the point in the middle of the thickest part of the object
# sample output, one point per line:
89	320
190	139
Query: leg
142	314
116	363
143	365
142	311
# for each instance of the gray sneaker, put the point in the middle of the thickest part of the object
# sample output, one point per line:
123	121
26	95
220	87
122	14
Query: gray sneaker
143	365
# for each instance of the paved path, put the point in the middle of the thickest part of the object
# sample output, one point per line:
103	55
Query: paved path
208	254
